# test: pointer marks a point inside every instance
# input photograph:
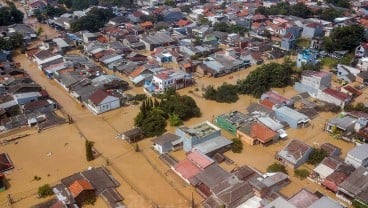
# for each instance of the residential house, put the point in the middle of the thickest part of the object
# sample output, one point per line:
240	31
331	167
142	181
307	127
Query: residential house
253	133
272	98
303	198
341	125
353	185
335	97
168	79
194	163
358	156
26	97
362	50
42	106
326	168
325	201
101	101
331	149
166	143
26	30
217	145
268	184
172	15
347	73
36	5
313	81
197	134
294	154
288	42
132	135
255	58
280	202
291	116
231	121
307	56
82	191
332	181
158	40
311	30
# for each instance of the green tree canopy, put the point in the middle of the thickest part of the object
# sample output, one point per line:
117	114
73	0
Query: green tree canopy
317	156
237	145
10	15
93	21
276	167
347	37
226	93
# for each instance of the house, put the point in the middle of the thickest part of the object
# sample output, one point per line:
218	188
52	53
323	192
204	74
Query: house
26	30
158	40
216	145
303	199
326	168
5	163
334	97
288	42
307	56
81	191
255	58
268	184
194	163
353	185
358	156
36	5
254	133
313	81
362	77
361	50
197	134
231	121
342	125
26	97
332	181
311	30
280	202
168	79
291	116
166	143
347	73
331	149
172	15
294	154
42	106
273	98
132	135
101	101
325	201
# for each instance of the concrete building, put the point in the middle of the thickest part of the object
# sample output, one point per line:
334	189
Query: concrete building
168	79
358	156
100	102
197	134
292	117
307	56
294	154
231	121
166	143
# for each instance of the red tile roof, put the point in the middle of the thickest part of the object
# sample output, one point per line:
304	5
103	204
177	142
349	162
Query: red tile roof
187	169
262	133
267	103
182	23
202	161
339	95
102	39
147	24
78	186
137	71
97	97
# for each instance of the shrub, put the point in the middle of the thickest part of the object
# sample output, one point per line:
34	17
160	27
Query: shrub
140	97
36	178
317	156
237	145
89	150
174	120
226	93
45	190
301	173
276	167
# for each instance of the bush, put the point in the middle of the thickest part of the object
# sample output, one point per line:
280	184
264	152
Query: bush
174	120
90	201
140	97
237	145
276	167
89	150
45	190
36	178
301	173
317	156
358	204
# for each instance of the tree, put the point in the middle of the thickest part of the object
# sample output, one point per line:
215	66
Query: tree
154	124
10	15
174	120
93	21
170	3
276	167
301	173
347	37
89	150
237	145
329	14
45	190
226	93
203	20
359	204
39	31
339	3
317	156
312	67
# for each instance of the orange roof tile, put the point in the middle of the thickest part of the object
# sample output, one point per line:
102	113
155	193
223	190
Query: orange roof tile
102	39
262	133
182	23
137	71
147	24
78	186
267	103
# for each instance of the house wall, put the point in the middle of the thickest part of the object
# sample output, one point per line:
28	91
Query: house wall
226	125
245	138
311	59
25	100
164	148
304	88
108	104
287	44
356	162
317	82
304	159
331	99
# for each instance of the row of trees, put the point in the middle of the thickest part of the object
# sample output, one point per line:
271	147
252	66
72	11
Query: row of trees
93	21
256	83
300	10
10	15
229	28
78	4
154	113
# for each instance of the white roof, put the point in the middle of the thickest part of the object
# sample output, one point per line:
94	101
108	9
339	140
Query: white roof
61	43
52	58
323	170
